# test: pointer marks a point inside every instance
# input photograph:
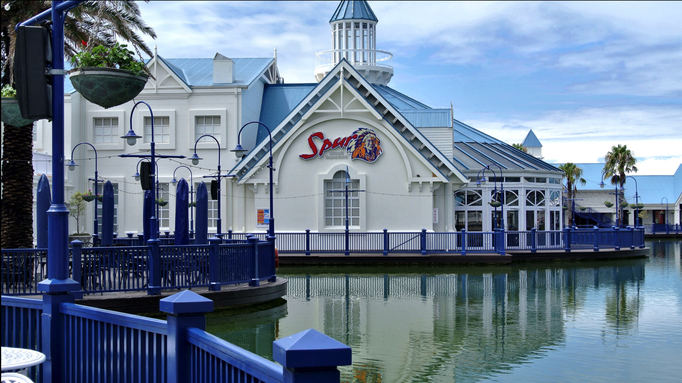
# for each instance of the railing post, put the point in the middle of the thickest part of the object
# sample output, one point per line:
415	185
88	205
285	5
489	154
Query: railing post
140	240
463	241
632	235
422	241
185	310
596	238
213	264
307	241
76	267
385	241
311	356
253	241
616	236
501	241
641	236
229	234
154	285
347	252
533	240
567	239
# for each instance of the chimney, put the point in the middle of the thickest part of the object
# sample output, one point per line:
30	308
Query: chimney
223	70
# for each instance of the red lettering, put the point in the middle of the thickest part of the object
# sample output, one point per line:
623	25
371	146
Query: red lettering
338	142
312	145
325	145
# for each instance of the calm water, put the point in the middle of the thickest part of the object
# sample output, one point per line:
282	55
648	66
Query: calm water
572	322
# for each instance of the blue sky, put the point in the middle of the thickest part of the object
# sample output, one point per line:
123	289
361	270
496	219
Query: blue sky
585	76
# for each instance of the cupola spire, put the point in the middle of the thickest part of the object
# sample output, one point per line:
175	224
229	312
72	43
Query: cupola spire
354	39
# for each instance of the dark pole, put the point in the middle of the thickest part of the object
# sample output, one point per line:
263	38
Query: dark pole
195	160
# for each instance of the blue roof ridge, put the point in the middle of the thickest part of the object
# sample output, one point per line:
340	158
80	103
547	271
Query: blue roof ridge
359	10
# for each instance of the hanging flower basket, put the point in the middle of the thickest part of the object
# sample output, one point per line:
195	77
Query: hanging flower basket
107	87
582	208
161	202
192	204
495	203
608	204
11	115
99	197
88	197
565	207
624	204
637	206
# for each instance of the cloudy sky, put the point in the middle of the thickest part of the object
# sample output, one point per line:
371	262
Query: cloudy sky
585	76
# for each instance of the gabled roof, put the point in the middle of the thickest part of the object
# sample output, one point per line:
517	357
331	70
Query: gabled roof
428	118
370	96
353	10
399	100
531	140
199	72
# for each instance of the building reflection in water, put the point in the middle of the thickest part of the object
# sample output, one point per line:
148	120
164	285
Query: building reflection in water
466	323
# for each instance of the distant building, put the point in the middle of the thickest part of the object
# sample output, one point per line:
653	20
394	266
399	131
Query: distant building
532	145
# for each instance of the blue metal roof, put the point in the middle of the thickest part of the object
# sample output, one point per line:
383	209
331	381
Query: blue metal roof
199	72
531	140
279	100
399	100
651	188
353	10
428	118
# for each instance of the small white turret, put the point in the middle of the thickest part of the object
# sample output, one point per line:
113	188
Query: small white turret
354	39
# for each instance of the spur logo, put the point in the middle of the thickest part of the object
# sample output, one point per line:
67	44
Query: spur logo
363	144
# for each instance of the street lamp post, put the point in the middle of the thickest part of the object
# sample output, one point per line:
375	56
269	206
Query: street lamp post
636	201
481	179
156	181
195	161
601	185
72	166
191	195
131	139
239	151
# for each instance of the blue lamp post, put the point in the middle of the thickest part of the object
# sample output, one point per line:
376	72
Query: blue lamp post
601	185
481	179
195	161
131	139
636	201
156	183
191	195
239	151
72	166
666	214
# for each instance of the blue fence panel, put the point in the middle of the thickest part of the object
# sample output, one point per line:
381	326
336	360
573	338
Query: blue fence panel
215	360
117	268
479	242
106	346
184	266
21	327
266	260
22	269
327	242
235	263
291	242
365	242
443	242
400	242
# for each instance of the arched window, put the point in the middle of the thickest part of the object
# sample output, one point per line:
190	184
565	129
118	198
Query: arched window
335	201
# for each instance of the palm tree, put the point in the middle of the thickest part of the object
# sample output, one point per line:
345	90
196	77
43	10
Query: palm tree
618	163
573	175
90	24
520	147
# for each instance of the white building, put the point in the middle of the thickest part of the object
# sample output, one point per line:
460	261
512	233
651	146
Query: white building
416	166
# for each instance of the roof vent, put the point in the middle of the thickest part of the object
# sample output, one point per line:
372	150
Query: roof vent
223	70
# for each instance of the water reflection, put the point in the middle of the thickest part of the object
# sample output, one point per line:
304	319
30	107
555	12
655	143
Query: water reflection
465	324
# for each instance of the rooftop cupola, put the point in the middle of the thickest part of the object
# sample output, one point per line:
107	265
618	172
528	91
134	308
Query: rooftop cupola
533	145
354	39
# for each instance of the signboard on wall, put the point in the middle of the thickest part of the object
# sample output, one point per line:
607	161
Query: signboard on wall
363	144
262	217
435	215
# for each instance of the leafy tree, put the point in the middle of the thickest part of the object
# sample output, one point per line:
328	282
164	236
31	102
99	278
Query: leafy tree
520	147
573	175
90	24
619	161
76	207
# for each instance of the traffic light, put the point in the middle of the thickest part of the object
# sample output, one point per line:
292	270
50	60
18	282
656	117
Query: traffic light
214	190
145	176
32	57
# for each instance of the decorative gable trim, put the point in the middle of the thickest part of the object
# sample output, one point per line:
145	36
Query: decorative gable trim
164	80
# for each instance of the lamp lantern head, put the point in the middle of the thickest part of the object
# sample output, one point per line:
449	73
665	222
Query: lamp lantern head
195	159
136	176
601	185
72	165
239	151
131	137
174	181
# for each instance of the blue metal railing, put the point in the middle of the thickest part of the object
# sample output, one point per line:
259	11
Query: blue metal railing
104	346
662	228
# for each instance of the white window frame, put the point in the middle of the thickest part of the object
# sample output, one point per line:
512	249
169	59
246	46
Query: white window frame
119	144
362	196
172	128
114	131
210	144
353	199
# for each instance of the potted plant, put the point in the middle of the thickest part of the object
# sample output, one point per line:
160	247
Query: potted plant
161	202
76	207
108	76
88	196
11	115
608	203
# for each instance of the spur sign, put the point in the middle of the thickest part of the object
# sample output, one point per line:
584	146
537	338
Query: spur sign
363	144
